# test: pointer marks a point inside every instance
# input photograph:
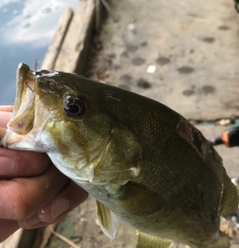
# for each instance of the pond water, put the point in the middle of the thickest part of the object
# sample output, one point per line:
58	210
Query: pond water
26	29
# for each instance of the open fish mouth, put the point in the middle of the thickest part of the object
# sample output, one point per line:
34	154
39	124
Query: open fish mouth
22	120
26	117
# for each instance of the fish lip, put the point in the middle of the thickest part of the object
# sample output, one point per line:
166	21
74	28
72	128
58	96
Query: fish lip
24	100
22	72
25	79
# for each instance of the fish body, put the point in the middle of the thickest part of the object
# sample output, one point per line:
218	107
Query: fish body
144	163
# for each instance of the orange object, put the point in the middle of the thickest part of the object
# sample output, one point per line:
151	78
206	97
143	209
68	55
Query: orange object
225	138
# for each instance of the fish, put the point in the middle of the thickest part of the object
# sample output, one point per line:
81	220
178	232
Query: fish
144	163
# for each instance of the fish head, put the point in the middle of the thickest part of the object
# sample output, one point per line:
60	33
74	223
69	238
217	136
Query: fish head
65	116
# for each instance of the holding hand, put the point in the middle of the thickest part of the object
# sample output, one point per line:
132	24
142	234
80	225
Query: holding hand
33	193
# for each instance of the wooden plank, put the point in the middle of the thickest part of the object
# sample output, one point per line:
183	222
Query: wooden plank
54	48
72	56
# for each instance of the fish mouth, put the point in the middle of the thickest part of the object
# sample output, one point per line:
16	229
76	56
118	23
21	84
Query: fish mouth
23	120
25	88
23	111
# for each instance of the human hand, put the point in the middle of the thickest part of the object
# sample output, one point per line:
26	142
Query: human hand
33	193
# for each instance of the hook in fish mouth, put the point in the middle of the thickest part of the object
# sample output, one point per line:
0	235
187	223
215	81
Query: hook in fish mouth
27	115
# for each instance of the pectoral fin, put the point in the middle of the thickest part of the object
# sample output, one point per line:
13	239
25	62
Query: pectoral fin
108	221
148	241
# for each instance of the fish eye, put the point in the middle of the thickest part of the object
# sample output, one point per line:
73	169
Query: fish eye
73	105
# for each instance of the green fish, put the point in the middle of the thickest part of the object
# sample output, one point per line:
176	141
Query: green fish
144	164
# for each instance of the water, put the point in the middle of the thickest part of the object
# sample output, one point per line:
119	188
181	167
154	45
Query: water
26	29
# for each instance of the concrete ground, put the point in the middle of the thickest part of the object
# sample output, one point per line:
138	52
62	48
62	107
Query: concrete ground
184	54
193	46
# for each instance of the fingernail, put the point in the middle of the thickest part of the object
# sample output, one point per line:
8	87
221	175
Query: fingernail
7	166
30	222
58	207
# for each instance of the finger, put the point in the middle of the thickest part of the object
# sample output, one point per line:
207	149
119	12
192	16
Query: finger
6	108
70	197
2	132
4	118
7	228
22	197
34	222
67	199
22	163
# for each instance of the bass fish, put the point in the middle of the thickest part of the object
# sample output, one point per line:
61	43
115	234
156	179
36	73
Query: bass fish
144	163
